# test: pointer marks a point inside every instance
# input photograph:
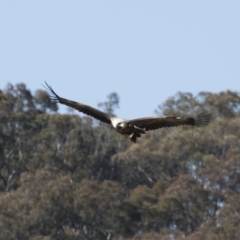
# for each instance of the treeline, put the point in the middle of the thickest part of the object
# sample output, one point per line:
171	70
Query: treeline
70	177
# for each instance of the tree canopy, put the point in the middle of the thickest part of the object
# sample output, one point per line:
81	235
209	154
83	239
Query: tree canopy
63	176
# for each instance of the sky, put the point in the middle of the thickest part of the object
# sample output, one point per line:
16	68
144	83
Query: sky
146	51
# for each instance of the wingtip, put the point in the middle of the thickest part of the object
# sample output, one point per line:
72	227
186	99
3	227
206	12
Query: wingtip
52	94
203	119
47	87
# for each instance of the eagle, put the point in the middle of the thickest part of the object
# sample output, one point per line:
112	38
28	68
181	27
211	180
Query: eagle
131	129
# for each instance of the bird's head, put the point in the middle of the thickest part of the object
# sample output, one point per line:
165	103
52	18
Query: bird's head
117	122
121	125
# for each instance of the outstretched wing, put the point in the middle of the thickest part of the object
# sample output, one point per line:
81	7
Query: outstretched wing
152	123
79	106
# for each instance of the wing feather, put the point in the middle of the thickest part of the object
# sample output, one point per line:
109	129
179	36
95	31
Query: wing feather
152	123
93	112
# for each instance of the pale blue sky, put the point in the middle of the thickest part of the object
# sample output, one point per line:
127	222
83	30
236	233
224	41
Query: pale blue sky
146	51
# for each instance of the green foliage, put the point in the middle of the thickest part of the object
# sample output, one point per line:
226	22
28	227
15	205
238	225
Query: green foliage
110	105
222	104
68	177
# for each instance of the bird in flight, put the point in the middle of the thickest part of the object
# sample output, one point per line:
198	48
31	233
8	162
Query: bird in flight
131	129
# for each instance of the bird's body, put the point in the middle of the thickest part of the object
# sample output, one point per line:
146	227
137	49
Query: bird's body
132	128
123	127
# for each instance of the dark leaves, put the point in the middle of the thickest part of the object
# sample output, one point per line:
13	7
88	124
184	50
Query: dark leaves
66	177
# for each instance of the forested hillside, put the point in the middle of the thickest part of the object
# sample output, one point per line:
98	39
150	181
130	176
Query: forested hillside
63	176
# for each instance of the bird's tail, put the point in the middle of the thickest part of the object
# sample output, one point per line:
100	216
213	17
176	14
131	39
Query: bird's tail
137	133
